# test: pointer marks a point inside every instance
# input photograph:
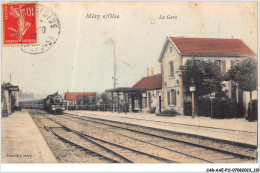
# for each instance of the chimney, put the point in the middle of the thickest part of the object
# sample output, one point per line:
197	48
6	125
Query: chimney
152	72
148	72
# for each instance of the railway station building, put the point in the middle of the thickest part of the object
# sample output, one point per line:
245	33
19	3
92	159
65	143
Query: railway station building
144	96
176	51
9	98
152	84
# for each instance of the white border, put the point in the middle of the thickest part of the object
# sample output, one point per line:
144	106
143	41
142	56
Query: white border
126	167
119	167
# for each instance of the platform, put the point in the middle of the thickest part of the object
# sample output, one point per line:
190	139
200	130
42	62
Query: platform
233	130
22	142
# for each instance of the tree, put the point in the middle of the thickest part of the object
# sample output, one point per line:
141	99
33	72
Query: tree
94	99
79	101
86	100
26	96
244	74
105	99
206	74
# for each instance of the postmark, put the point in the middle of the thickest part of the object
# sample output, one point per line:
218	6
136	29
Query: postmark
19	23
48	31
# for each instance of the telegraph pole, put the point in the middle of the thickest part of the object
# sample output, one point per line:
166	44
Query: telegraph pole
114	52
192	90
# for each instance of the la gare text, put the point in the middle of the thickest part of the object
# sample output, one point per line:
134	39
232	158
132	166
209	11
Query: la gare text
104	16
168	17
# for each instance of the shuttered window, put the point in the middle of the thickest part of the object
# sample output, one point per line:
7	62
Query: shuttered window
172	97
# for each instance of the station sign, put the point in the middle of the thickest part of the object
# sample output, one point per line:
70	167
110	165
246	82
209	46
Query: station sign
192	88
13	88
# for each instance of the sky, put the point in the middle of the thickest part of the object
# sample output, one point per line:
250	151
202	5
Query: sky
82	59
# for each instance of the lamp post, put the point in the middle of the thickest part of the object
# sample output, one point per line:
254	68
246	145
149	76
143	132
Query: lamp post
192	90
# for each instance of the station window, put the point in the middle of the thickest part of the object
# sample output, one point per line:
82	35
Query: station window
219	62
171	66
136	103
222	65
170	49
172	97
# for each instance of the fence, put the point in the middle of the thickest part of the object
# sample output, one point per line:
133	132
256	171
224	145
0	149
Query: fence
221	108
100	107
253	114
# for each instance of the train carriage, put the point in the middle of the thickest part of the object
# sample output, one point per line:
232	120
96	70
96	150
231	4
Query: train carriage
34	104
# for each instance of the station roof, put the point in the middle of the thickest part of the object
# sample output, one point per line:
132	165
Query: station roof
74	95
208	46
125	89
10	87
150	82
211	46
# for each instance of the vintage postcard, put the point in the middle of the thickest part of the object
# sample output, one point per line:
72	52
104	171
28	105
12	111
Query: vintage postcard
171	82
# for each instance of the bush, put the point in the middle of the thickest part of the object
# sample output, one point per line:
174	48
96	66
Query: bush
226	108
152	110
187	108
252	116
170	112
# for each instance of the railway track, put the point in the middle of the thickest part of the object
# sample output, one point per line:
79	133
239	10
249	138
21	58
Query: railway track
66	150
61	142
124	143
113	153
87	146
107	149
236	149
130	154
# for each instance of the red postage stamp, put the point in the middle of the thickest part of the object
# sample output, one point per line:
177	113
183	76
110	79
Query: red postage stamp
19	23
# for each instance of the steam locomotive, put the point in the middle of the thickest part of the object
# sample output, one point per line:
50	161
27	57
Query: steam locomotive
53	103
